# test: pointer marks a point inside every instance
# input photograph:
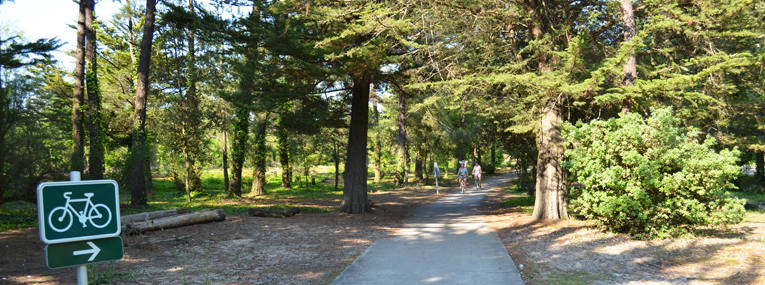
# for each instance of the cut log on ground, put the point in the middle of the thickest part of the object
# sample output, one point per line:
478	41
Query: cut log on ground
262	212
175	221
143	217
154	241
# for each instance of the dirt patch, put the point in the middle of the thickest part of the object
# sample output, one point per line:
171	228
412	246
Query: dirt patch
305	249
573	252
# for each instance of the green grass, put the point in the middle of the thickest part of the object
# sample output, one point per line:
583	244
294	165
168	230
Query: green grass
17	215
524	201
754	216
573	278
751	189
754	198
107	274
521	200
167	196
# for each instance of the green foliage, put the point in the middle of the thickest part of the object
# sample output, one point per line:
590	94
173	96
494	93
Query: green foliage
751	184
17	215
107	274
525	201
650	177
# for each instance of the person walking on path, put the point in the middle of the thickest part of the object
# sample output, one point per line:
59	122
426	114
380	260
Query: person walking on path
436	173
462	174
477	175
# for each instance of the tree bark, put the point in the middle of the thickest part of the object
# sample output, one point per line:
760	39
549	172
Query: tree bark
418	165
96	156
460	138
630	67
138	147
225	161
242	105
402	137
239	148
204	216
493	157
78	141
259	157
336	160
284	156
355	200
550	202
377	143
550	190
151	215
760	163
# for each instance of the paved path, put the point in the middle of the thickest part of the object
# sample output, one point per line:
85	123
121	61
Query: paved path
445	242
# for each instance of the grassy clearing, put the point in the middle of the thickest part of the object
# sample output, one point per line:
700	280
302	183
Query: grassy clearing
106	273
751	189
167	195
520	199
17	215
754	216
310	198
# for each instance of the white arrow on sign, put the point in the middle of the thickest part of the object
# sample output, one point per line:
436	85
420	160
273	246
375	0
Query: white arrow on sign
93	251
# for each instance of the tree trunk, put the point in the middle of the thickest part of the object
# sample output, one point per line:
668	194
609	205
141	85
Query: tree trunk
377	144
96	157
760	162
2	163
190	113
259	157
138	147
336	160
284	157
242	105
460	138
402	147
630	69
78	141
355	199
418	163
551	189
493	163
239	148
225	161
428	167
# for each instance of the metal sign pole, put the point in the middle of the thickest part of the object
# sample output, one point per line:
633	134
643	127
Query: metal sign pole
82	270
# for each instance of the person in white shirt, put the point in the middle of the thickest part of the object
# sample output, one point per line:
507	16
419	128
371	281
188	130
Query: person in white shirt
477	174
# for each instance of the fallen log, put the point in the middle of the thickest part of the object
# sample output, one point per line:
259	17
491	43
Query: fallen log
142	217
175	221
154	241
268	213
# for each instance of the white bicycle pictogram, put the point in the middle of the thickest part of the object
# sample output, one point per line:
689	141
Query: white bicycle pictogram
98	215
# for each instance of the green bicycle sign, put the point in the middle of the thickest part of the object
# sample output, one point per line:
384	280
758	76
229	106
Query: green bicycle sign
78	210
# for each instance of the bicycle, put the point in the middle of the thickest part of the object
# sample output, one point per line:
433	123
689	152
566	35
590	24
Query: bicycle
95	214
462	184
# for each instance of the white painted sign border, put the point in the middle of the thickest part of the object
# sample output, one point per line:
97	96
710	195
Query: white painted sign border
41	218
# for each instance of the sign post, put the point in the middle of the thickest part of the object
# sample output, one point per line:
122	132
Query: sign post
79	222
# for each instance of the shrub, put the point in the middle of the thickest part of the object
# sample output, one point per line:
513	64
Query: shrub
650	178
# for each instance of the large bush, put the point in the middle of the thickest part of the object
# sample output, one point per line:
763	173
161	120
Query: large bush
650	177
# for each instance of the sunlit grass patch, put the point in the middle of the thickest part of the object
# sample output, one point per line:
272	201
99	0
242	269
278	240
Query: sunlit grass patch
754	216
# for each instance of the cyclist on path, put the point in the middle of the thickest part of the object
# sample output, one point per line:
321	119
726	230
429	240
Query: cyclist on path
477	175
